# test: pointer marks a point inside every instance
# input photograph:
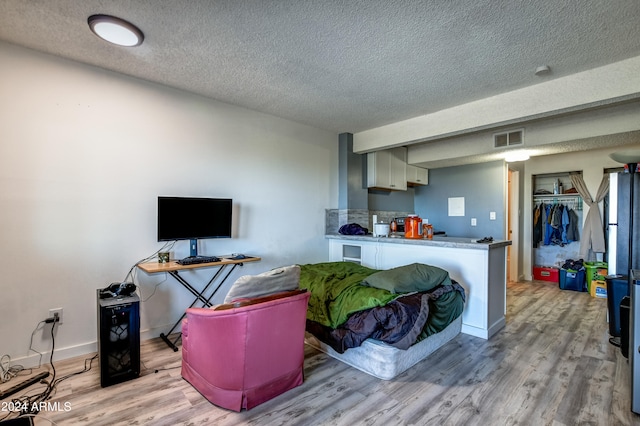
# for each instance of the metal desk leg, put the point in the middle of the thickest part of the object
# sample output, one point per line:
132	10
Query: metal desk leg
199	296
208	303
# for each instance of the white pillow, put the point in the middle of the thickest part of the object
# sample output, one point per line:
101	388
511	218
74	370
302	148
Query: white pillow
275	281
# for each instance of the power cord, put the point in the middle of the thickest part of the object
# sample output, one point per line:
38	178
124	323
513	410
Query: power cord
31	341
165	247
29	404
7	371
132	272
157	370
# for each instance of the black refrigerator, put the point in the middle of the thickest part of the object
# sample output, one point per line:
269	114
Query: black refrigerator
621	203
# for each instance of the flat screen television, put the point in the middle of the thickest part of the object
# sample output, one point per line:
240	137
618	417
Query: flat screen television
192	218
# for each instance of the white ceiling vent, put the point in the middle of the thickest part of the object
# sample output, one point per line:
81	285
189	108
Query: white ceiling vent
512	138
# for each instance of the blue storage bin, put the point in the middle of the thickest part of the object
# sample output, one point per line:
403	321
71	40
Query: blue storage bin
572	280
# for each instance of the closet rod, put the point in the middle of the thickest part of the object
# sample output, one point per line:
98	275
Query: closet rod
573	202
557	197
560	199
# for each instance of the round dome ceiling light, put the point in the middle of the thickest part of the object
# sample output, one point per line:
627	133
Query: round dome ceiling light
542	70
115	30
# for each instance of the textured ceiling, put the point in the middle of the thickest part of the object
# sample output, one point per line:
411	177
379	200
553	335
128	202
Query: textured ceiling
345	66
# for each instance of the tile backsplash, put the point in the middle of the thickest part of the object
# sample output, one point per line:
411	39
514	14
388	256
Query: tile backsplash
335	218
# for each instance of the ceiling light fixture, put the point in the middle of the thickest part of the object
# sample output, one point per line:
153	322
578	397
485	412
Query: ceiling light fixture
512	157
115	30
543	70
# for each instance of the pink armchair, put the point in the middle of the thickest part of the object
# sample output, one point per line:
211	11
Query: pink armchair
242	354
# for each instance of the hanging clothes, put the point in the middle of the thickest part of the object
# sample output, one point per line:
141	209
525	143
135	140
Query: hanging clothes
548	235
537	225
554	224
543	218
565	225
573	230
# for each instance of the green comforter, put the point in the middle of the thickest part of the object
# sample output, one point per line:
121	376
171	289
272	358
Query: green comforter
337	292
337	289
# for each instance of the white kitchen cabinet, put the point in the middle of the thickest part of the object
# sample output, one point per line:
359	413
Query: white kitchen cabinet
387	169
417	175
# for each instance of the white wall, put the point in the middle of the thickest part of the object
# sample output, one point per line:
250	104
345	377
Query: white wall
84	153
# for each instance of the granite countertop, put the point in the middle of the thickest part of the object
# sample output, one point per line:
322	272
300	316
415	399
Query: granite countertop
437	241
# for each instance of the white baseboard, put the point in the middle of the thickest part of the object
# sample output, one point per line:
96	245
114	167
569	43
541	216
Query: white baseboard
482	333
89	349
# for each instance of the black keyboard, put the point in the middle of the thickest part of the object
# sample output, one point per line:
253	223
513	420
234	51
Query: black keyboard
194	260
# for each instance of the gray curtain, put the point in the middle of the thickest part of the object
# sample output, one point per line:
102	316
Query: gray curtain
592	233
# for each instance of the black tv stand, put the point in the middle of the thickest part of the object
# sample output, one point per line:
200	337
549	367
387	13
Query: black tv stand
173	268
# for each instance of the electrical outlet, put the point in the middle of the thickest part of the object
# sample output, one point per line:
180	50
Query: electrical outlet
474	222
492	215
53	312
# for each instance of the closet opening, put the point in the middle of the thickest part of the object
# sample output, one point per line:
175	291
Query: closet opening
557	224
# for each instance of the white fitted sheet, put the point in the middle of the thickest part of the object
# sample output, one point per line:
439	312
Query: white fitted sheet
384	361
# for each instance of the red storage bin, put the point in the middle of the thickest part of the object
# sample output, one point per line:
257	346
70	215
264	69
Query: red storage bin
546	273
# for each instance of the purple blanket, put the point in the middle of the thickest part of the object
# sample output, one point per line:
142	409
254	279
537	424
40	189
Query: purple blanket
399	323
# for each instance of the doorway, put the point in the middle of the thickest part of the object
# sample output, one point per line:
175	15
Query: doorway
513	224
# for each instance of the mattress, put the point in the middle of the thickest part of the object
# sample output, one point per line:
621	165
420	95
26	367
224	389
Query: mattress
386	362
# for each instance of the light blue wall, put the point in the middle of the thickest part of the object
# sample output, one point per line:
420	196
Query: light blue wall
483	187
398	201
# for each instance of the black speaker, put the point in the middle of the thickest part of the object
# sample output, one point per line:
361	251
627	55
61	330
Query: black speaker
118	338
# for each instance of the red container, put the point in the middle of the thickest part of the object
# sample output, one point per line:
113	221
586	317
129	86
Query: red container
413	226
545	273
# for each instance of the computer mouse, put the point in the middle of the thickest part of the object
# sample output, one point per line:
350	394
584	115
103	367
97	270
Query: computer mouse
238	256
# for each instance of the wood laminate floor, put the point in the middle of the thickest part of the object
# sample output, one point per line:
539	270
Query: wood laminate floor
551	365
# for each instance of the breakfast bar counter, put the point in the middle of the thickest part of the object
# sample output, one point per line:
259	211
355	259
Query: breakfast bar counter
481	268
436	241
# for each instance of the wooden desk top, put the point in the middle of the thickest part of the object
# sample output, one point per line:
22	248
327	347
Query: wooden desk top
155	266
